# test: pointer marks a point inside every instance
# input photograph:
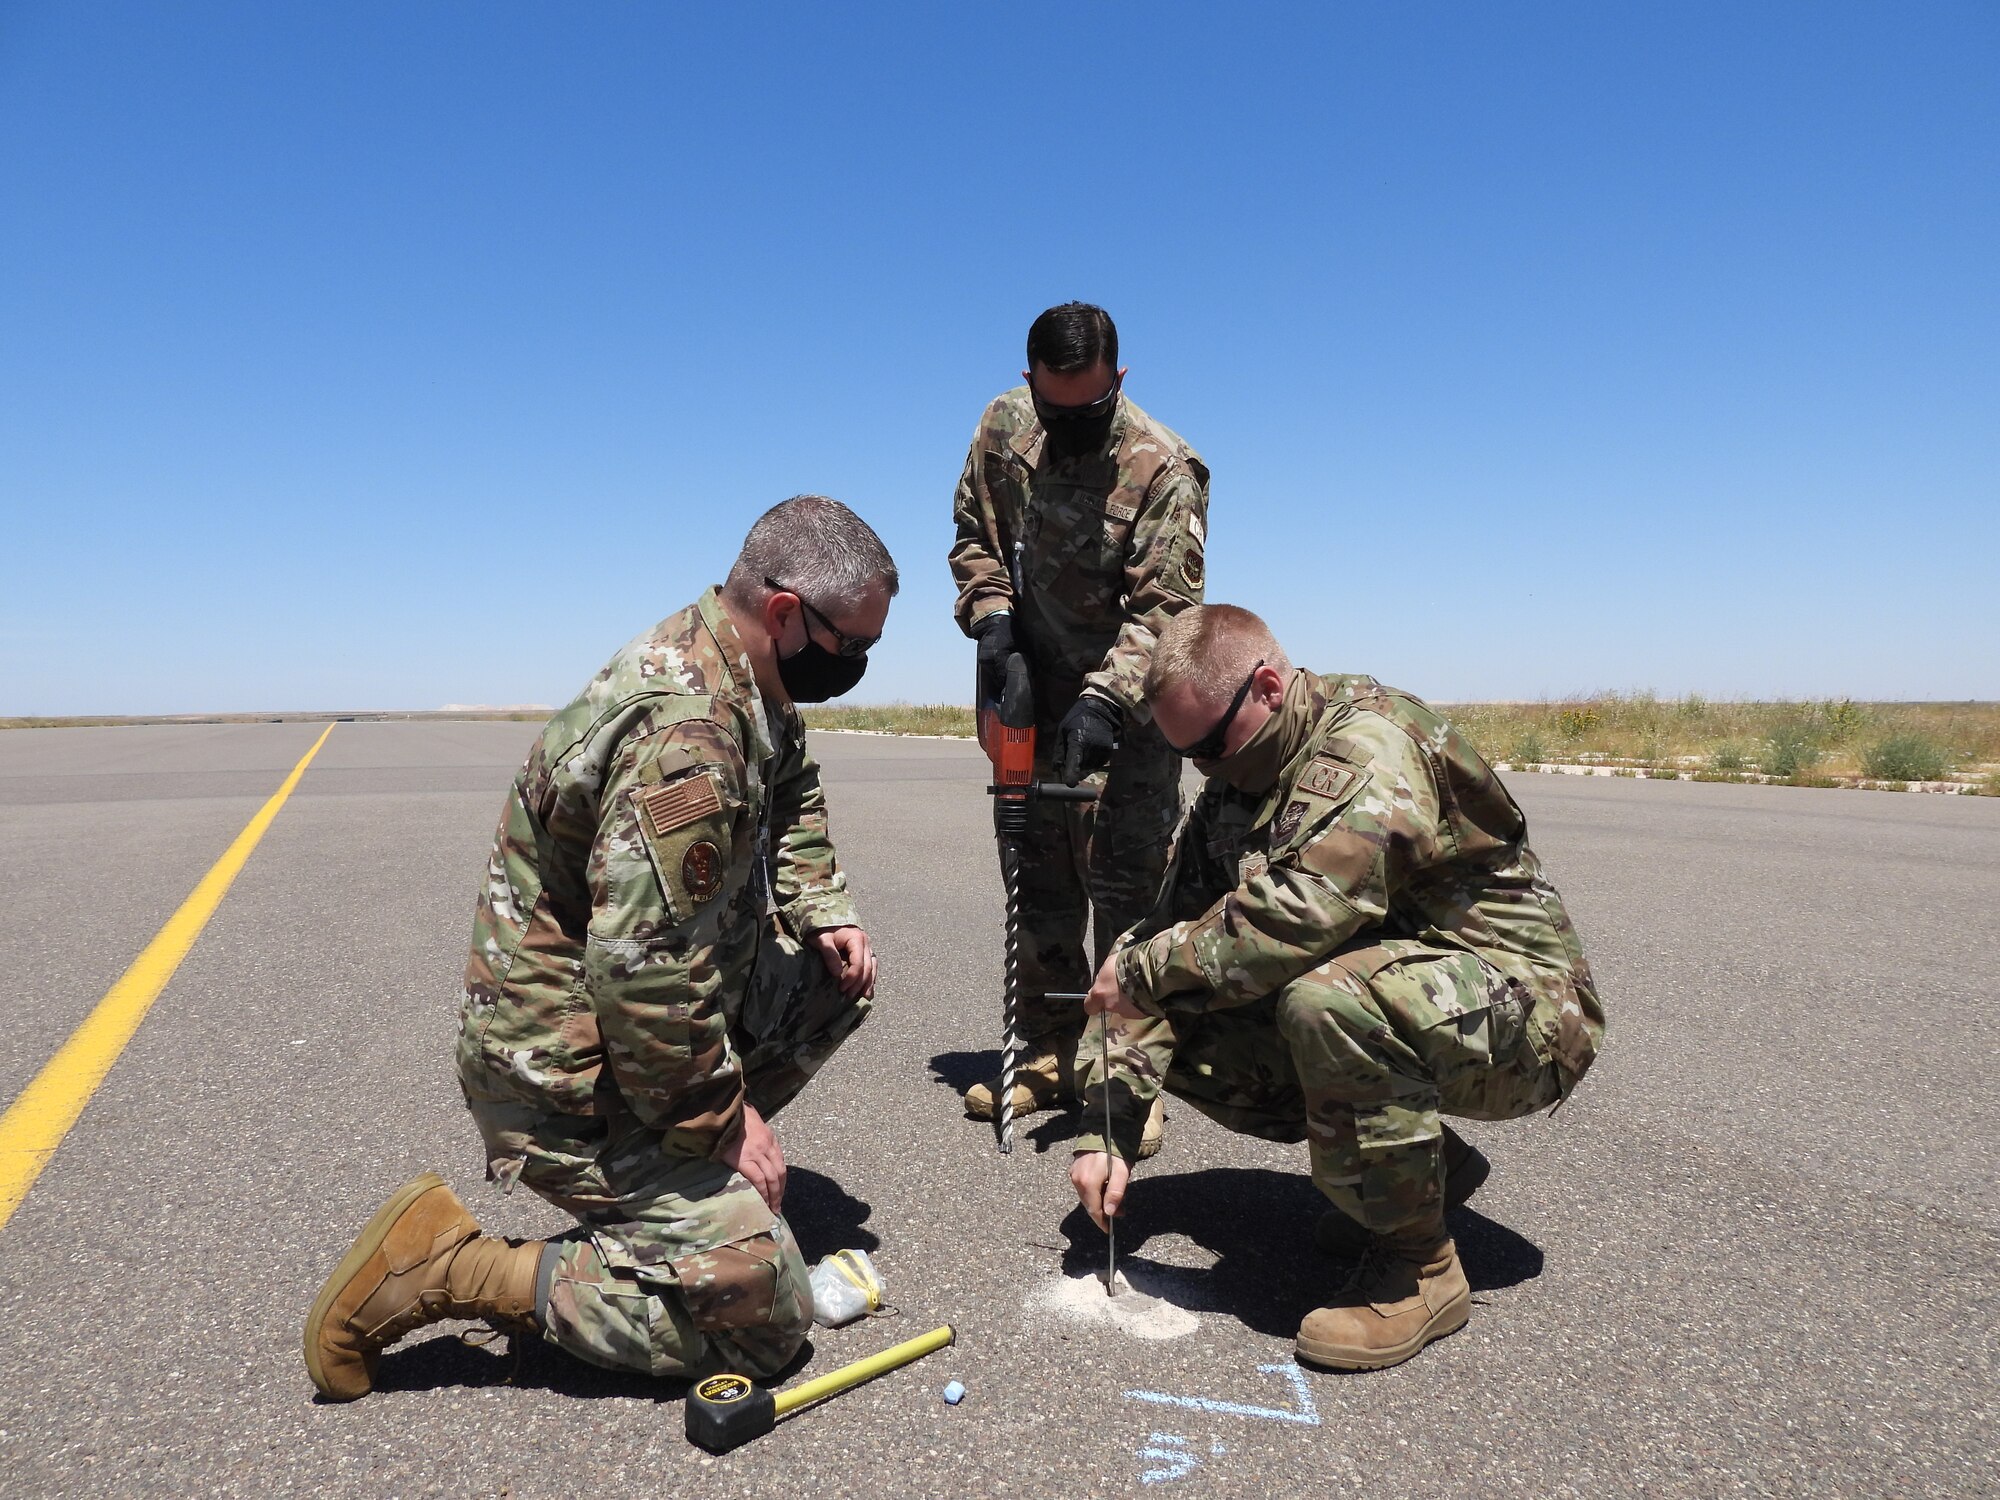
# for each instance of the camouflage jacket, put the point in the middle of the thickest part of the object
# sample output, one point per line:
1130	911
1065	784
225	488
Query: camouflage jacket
1384	823
658	821
1112	546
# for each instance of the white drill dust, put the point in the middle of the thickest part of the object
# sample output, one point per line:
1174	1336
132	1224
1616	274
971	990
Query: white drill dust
1082	1299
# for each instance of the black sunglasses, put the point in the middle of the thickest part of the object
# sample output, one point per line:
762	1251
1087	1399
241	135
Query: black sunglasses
1209	746
1090	410
851	646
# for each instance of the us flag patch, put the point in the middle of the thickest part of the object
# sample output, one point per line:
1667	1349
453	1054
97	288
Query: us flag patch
678	803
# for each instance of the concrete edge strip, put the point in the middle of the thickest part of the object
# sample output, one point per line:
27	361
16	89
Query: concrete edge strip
1737	778
37	1121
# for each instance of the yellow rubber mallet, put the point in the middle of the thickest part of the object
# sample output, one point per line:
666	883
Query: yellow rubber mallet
727	1411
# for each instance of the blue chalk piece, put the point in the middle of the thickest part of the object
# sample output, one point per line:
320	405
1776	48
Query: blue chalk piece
954	1393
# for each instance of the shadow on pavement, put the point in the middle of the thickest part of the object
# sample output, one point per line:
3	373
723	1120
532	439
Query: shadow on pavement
530	1364
824	1216
1052	1129
1257	1224
1493	1255
959	1071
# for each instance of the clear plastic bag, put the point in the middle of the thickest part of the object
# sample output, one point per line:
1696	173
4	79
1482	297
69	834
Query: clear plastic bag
845	1286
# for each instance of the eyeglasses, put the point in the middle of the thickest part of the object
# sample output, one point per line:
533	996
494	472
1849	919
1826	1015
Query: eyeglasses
1210	745
850	646
1048	411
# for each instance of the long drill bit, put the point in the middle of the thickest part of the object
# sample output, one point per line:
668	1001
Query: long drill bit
1010	1022
1110	1224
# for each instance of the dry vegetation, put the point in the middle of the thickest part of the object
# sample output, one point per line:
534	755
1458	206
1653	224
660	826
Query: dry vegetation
1815	743
896	718
1828	742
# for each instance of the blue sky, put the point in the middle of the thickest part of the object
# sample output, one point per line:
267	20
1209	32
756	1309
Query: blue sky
389	355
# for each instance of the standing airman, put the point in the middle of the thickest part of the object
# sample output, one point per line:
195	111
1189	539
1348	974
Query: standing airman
1081	527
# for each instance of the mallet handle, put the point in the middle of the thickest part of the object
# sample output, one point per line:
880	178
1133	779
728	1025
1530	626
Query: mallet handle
836	1381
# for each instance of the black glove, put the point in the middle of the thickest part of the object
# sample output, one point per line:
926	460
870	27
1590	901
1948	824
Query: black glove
995	635
1087	735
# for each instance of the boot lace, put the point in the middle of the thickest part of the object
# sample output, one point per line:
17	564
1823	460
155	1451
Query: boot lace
1374	1257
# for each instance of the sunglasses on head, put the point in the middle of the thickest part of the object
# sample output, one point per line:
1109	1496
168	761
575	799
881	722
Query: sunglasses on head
1210	745
849	646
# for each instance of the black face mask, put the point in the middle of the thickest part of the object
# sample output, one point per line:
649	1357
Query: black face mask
813	674
1075	430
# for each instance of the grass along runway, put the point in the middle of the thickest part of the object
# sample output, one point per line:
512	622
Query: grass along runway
1823	742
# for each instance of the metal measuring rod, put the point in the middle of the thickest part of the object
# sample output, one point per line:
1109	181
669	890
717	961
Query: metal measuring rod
1110	1224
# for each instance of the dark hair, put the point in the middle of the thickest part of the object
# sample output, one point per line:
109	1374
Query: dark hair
1073	337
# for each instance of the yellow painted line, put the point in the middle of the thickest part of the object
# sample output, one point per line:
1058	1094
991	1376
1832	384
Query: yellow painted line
36	1123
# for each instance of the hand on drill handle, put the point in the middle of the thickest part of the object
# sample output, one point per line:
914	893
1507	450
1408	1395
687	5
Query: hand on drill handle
1087	736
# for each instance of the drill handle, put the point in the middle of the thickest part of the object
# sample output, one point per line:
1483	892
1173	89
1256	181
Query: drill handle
1044	791
1055	791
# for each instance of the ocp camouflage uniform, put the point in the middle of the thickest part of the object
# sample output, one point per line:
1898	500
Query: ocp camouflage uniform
1367	947
636	974
1112	548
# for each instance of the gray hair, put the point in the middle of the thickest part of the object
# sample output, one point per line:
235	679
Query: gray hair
815	547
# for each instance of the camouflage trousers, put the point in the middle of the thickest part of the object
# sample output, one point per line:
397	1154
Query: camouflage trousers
1098	863
1361	1056
676	1266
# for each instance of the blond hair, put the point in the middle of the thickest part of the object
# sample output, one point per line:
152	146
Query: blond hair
1213	647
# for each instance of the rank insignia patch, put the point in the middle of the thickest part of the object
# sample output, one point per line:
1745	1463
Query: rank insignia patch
1288	821
701	870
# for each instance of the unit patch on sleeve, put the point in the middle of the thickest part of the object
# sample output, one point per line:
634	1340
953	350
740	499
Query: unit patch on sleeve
701	870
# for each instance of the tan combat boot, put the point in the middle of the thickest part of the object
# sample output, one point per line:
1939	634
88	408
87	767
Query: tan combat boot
1465	1168
421	1260
1156	1127
1044	1080
1408	1290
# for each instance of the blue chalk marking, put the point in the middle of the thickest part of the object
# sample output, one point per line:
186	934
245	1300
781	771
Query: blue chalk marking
1172	1451
1306	1414
954	1393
